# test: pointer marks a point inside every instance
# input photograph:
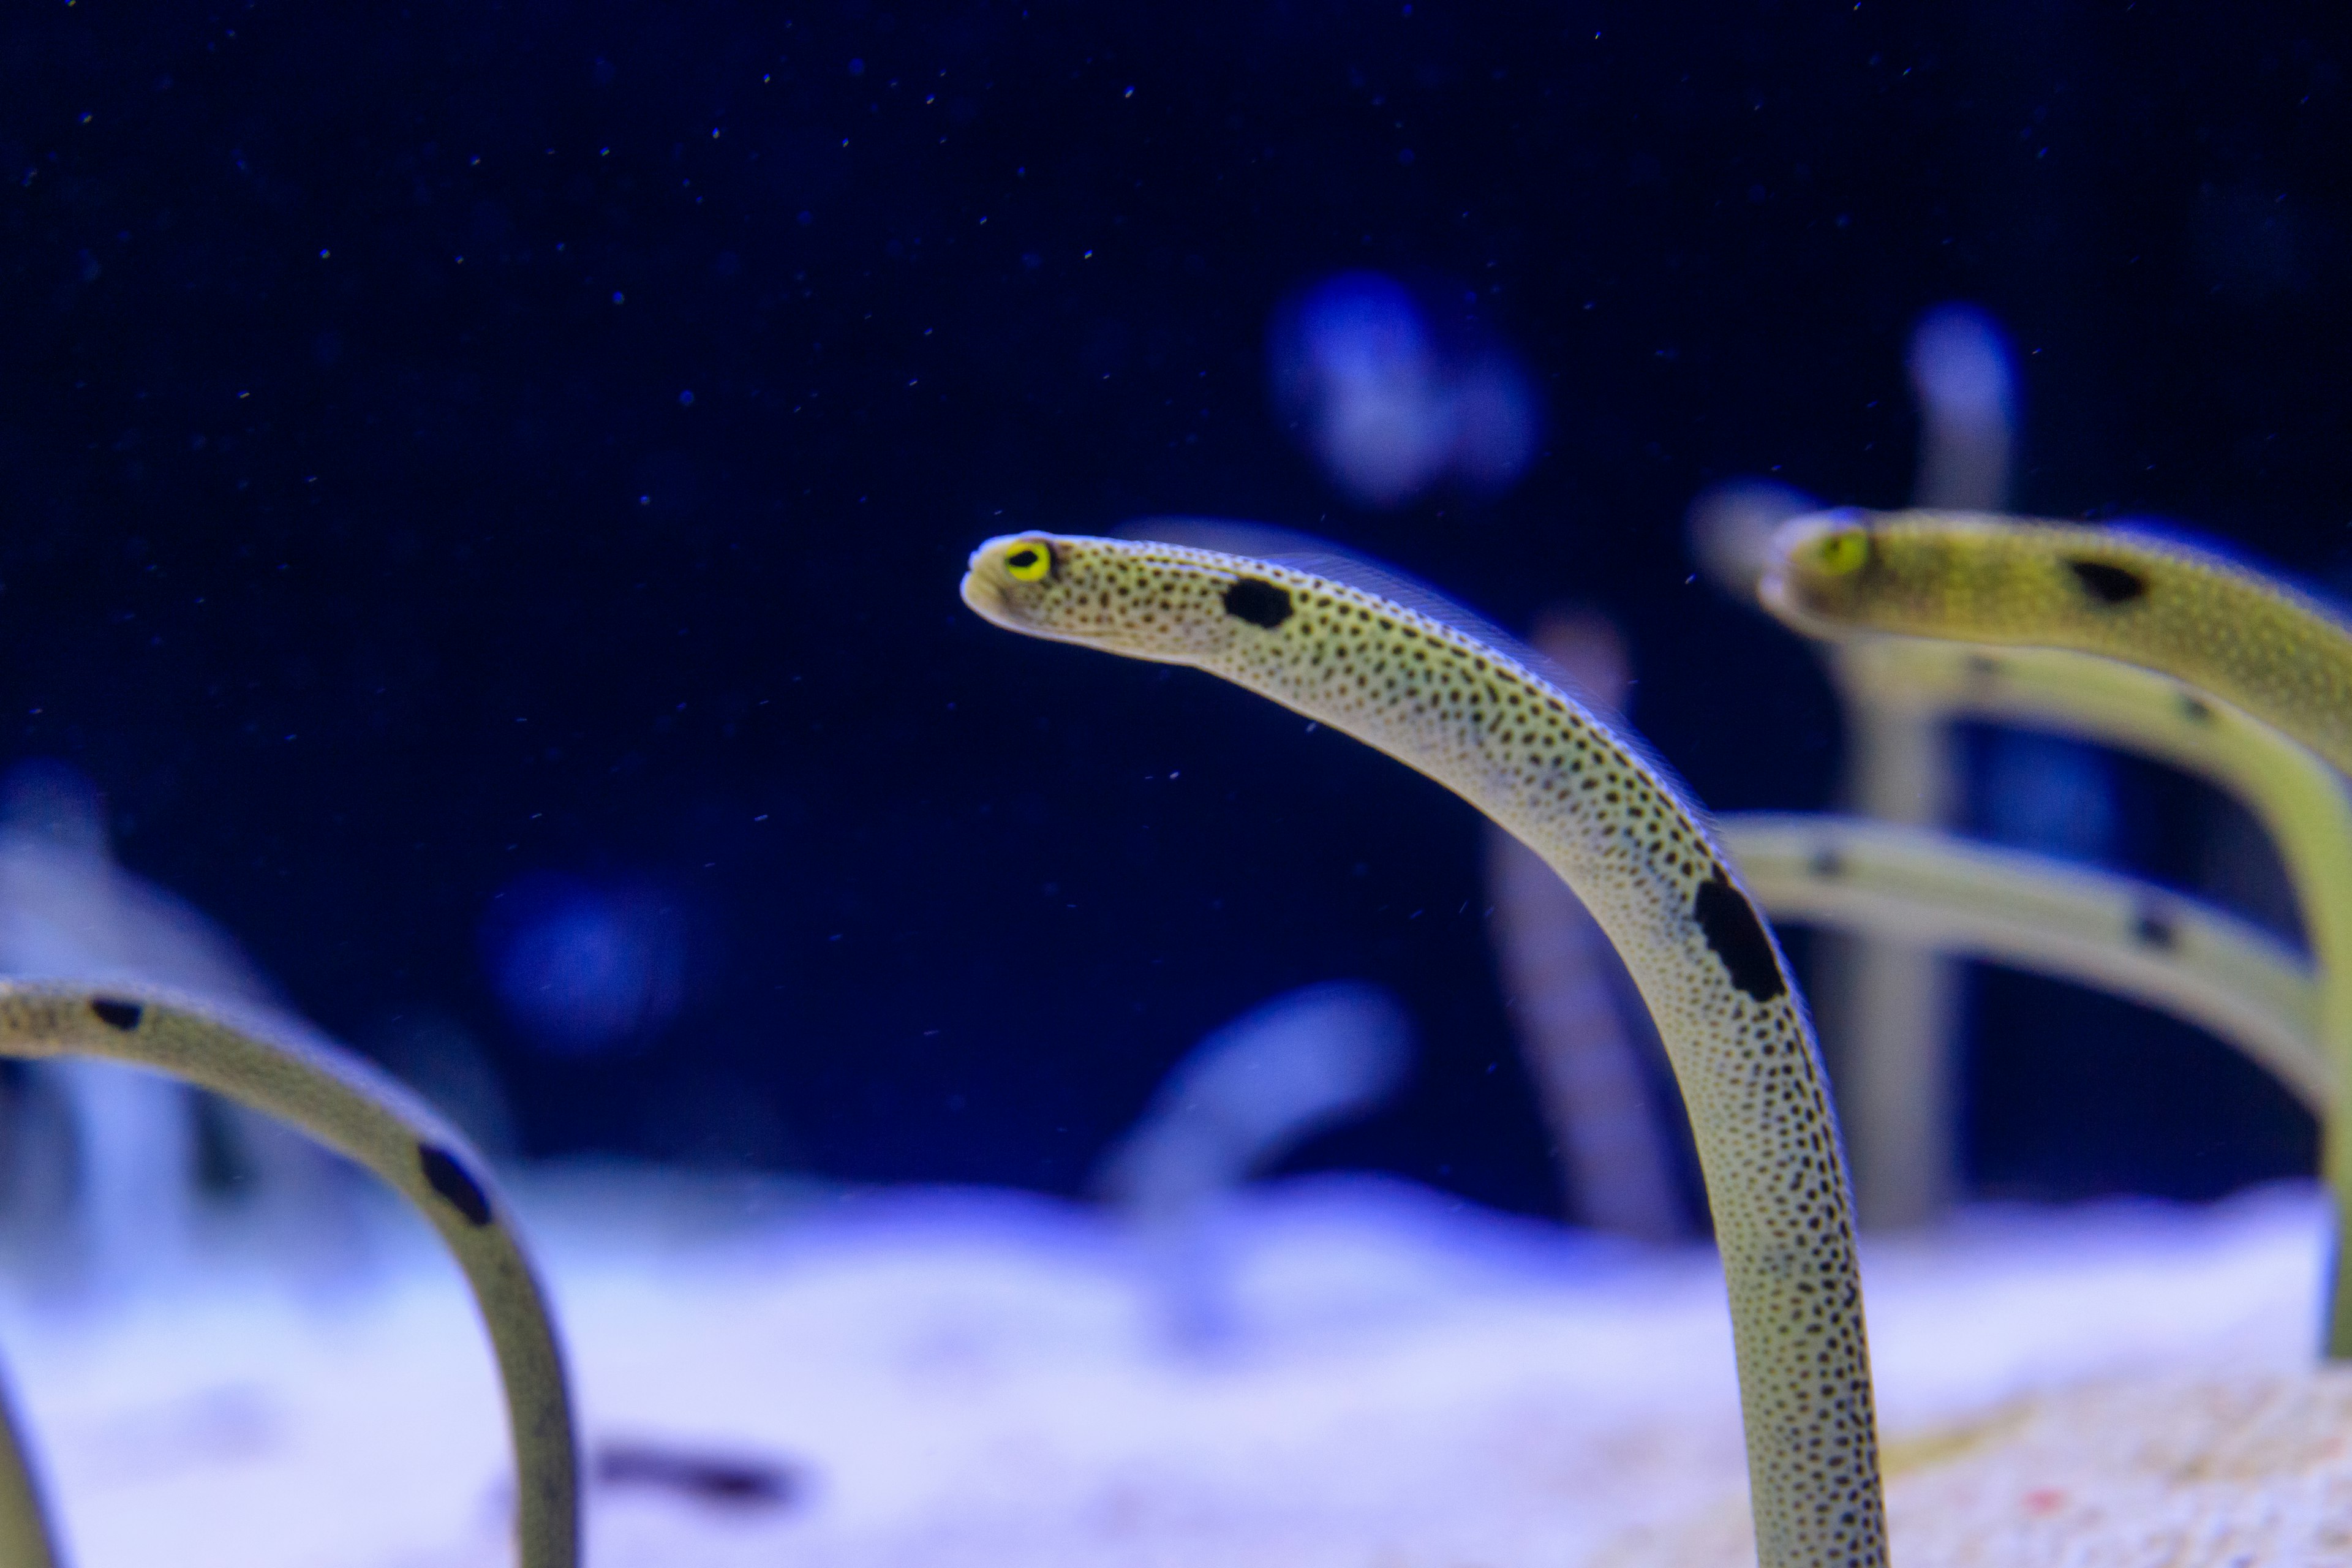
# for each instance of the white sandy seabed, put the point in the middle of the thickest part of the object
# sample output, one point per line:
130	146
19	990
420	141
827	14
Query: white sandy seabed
946	1378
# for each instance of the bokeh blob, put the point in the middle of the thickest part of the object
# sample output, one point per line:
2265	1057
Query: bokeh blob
1966	379
583	968
1359	369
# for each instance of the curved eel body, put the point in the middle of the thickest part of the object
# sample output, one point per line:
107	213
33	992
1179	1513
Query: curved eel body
2145	598
2303	804
26	1540
1620	831
357	1111
2266	675
2115	933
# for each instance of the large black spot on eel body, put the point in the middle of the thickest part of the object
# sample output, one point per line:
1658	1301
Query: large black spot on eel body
445	1175
2107	584
1260	603
122	1016
1729	921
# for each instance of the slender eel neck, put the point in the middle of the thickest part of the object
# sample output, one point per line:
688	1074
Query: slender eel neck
1622	835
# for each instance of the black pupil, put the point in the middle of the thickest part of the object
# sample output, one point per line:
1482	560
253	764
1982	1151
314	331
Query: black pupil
1022	560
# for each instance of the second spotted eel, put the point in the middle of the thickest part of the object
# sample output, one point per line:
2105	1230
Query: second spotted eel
2268	651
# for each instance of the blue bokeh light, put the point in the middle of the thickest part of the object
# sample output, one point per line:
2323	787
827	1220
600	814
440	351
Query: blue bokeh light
585	969
1386	410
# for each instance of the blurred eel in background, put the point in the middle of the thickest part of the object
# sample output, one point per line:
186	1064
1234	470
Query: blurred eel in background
1245	1096
1891	1010
104	1159
2254	652
103	972
1587	1053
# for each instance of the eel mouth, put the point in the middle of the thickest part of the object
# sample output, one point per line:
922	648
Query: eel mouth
1787	605
985	590
984	595
1773	593
1783	591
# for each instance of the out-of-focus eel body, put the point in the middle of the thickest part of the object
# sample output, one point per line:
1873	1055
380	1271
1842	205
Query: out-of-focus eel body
27	1538
2145	599
352	1109
2260	665
2302	802
1948	895
1621	833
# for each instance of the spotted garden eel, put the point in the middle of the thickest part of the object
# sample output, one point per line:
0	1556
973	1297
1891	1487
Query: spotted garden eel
2302	804
1947	895
2145	599
2246	646
25	1536
357	1111
1621	833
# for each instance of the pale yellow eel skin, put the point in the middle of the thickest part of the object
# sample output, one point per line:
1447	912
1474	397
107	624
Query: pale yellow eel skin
2266	672
2302	802
2145	598
1948	895
26	1540
1634	849
352	1109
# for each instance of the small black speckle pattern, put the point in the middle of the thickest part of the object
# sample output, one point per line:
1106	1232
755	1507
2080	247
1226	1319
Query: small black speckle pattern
114	1014
1634	849
445	1176
2215	623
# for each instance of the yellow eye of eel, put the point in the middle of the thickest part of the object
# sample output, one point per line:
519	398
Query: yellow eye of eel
1029	563
1841	553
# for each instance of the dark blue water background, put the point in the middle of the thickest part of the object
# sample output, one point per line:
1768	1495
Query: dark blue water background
457	448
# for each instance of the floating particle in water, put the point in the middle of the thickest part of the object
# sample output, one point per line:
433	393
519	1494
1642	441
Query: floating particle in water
583	968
